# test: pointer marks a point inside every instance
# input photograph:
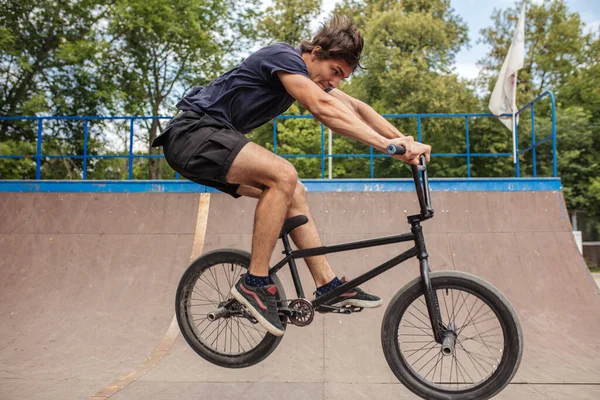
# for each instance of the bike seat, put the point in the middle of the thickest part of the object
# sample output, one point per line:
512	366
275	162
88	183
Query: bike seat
292	223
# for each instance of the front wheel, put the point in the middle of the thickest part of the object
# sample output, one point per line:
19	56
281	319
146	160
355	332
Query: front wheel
487	342
234	341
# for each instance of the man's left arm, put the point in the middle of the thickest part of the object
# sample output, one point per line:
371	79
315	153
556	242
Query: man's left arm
368	115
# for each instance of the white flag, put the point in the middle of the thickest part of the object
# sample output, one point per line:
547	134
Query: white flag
503	99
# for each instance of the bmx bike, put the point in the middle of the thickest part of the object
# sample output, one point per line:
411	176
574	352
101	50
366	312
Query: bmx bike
445	335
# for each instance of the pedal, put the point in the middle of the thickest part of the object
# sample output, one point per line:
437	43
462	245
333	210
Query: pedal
339	310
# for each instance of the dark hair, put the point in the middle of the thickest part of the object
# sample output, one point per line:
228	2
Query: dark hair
339	38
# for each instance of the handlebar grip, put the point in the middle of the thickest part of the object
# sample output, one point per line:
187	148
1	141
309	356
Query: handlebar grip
393	149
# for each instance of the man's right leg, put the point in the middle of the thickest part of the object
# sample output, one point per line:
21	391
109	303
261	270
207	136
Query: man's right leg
258	167
277	178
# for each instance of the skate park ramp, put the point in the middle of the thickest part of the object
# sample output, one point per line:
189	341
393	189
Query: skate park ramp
88	281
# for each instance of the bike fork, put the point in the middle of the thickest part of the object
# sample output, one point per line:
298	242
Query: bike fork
431	299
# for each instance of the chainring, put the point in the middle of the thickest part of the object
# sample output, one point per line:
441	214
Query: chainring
303	312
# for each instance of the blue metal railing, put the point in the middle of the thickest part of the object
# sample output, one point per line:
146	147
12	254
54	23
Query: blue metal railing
323	156
39	156
468	155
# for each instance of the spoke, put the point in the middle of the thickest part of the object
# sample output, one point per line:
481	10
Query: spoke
441	370
479	322
461	306
231	335
427	352
210	323
434	368
458	366
426	324
215	303
244	323
216	279
225	344
472	317
472	360
244	333
451	365
484	343
239	341
218	334
417	341
203	321
226	272
210	285
232	275
413	334
491	359
419	310
486	333
452	295
413	351
428	361
217	327
237	338
416	327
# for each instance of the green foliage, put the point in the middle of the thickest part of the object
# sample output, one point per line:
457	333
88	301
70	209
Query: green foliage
289	21
561	58
17	168
409	51
47	49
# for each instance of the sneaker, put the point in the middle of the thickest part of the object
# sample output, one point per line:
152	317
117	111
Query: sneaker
261	303
356	297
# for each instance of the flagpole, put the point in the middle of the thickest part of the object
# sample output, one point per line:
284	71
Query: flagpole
514	120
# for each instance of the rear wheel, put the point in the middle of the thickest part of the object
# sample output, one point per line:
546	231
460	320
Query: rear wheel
487	342
234	341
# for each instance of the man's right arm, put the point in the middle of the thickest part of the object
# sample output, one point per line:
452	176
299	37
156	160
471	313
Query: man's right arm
334	114
331	111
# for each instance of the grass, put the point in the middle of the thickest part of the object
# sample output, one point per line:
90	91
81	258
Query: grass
595	270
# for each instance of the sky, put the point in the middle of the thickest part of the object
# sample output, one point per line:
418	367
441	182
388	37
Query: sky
477	15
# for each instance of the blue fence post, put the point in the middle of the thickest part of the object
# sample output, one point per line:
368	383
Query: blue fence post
38	156
322	151
555	172
85	147
131	123
468	147
533	161
371	162
419	128
275	135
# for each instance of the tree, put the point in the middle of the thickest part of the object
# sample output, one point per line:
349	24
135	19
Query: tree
289	21
160	47
560	57
46	50
409	51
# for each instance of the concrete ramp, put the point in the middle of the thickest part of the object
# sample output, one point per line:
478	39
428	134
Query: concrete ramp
88	282
86	287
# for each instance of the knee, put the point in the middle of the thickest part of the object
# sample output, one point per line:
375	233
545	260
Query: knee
287	179
299	193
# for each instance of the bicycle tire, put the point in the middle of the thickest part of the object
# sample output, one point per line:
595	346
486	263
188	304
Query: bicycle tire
488	295
185	318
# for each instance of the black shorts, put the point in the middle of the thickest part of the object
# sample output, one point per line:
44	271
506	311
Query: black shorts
201	149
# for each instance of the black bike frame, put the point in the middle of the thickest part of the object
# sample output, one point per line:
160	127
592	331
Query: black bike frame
419	250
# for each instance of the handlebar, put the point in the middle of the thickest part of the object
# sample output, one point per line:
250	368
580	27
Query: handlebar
421	181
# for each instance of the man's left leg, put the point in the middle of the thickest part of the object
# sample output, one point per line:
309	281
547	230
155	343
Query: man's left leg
307	236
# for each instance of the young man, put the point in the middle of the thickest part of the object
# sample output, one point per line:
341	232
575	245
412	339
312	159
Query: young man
206	144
